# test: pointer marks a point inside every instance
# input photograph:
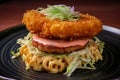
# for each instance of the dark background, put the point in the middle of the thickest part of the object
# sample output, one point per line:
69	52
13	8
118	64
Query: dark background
11	11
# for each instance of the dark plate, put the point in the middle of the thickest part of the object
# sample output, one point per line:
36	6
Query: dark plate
109	68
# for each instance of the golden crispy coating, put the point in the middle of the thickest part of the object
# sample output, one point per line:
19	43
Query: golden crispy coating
86	27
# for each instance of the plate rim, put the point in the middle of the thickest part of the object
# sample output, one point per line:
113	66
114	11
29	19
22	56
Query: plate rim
111	29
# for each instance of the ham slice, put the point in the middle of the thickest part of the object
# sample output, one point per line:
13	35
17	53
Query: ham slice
59	43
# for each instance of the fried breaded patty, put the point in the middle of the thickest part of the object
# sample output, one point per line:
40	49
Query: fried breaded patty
86	27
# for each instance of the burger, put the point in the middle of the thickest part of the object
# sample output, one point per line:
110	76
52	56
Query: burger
60	39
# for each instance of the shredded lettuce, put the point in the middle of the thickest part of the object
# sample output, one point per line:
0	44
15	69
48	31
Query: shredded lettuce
77	60
14	55
61	12
100	44
72	66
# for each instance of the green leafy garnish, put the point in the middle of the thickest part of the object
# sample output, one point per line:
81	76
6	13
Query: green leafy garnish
61	12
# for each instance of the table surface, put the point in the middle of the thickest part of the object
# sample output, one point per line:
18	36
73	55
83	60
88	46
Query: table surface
11	11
